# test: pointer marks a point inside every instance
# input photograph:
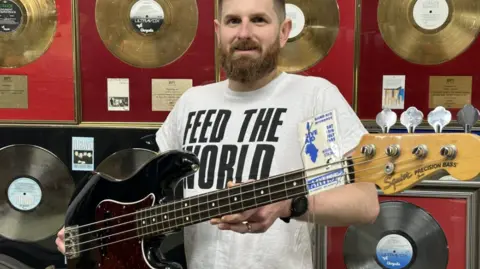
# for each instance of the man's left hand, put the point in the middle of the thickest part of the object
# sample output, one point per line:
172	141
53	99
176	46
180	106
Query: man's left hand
256	220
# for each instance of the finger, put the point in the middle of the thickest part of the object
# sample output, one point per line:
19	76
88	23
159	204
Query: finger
215	221
242	228
237	218
60	245
61	233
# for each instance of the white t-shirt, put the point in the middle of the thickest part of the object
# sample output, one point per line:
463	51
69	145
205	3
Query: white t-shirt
251	135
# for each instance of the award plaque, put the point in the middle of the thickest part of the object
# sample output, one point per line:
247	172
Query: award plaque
37	81
417	225
321	42
129	49
429	45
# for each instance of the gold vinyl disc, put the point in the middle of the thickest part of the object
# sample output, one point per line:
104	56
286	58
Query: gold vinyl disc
428	32
27	29
147	33
315	25
35	190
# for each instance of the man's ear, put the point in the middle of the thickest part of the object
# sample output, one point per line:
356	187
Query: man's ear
285	29
217	30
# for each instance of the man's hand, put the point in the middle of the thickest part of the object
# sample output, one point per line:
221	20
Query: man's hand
256	220
60	241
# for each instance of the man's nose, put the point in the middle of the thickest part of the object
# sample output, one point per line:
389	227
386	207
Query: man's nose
245	30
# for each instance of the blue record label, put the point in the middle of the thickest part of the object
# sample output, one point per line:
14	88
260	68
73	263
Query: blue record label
394	252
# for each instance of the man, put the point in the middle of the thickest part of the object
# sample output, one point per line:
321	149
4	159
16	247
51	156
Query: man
245	128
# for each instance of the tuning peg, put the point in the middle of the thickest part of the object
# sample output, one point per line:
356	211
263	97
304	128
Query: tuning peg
439	118
467	117
386	119
411	118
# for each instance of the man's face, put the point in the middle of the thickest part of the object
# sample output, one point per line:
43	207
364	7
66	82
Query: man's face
250	37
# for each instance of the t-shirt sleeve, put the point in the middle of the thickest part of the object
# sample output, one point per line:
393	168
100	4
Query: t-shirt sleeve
350	127
168	135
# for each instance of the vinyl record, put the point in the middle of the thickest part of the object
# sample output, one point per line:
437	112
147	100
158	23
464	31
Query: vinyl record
35	189
426	33
147	33
27	29
404	236
315	25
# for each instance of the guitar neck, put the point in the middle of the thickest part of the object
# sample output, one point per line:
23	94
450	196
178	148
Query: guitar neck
178	214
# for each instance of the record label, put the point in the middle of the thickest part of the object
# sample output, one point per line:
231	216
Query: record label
24	194
430	14
394	252
298	19
10	16
147	16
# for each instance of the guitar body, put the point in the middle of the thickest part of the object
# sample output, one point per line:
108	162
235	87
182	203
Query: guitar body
94	238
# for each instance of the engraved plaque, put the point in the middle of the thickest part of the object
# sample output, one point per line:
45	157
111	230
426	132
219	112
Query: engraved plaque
13	91
450	91
165	92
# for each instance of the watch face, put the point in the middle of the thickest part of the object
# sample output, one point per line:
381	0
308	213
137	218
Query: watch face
300	205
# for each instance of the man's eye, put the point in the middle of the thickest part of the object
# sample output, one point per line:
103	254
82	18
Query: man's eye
258	19
233	21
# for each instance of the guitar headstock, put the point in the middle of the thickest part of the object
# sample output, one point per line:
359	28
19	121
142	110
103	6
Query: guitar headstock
396	162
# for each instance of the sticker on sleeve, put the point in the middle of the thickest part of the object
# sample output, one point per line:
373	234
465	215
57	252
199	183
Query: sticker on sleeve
321	152
82	154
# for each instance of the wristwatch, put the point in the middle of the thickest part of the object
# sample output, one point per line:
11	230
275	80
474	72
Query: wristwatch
298	208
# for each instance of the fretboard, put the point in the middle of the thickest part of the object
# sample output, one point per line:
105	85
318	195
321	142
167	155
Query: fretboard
174	215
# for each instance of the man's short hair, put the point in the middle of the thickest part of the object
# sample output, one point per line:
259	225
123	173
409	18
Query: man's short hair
278	4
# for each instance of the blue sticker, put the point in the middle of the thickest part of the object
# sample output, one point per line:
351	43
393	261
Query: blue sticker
394	252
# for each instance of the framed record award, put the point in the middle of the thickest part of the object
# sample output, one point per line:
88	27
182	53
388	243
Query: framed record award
416	229
138	56
37	64
321	42
418	53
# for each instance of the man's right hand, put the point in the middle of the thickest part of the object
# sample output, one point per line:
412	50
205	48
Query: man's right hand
60	241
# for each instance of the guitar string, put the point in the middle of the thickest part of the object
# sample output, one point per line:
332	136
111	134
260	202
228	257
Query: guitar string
156	224
151	233
243	184
197	197
216	200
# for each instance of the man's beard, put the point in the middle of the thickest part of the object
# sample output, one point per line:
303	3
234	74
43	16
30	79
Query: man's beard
245	68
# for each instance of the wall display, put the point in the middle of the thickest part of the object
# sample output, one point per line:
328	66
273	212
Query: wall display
321	42
415	229
127	47
431	45
36	61
58	141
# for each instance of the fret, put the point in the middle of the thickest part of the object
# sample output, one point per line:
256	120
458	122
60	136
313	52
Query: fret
247	193
148	221
203	207
195	209
262	192
157	219
186	210
224	202
169	217
295	184
277	188
213	205
161	218
235	200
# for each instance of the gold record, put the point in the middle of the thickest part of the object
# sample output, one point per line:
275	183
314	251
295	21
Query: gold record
147	33
428	33
315	25
35	190
27	29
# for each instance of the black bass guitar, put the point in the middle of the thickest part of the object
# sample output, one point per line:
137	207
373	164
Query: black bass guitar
118	218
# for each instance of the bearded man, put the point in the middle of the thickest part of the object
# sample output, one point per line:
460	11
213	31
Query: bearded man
245	128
